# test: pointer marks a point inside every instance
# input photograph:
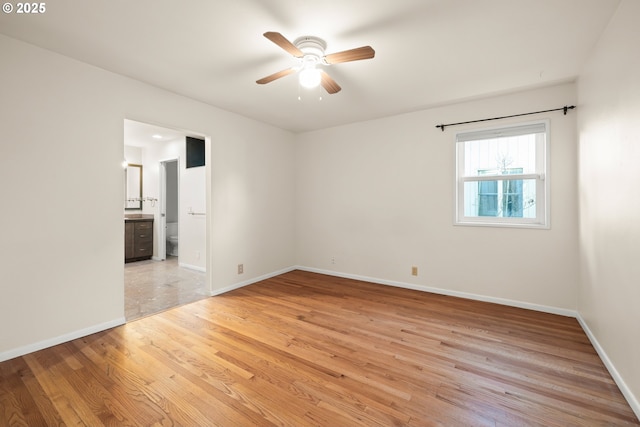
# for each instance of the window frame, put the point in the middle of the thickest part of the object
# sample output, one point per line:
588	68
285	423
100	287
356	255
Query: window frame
541	177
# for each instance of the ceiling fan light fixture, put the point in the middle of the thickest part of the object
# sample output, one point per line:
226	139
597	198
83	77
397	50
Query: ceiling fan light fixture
309	77
309	52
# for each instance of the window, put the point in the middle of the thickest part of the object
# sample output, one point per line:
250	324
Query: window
502	176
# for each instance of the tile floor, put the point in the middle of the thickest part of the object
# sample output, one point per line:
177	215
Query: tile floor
154	286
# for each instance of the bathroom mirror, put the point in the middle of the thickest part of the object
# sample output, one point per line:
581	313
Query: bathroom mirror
133	187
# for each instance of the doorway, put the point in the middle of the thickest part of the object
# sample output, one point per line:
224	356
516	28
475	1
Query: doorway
176	274
169	226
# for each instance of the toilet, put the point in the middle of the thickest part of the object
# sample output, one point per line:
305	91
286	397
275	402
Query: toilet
172	238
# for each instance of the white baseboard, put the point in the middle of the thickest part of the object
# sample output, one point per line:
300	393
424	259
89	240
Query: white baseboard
192	267
622	385
21	351
503	301
251	281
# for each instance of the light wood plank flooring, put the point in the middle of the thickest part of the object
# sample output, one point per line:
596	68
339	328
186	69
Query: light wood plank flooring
304	349
154	286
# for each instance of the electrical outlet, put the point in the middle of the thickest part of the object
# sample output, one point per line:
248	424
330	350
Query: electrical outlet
414	270
333	260
197	254
240	268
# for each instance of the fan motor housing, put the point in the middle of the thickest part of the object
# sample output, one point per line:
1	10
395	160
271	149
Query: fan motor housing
311	46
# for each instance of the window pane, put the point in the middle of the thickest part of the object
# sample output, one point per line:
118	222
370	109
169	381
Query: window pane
500	155
487	197
512	205
500	198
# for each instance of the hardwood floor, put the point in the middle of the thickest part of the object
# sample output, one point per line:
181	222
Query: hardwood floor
306	349
154	286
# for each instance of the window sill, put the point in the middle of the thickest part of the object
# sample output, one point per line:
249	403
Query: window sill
532	225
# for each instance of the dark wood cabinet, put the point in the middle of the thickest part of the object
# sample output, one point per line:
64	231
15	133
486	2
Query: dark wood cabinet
129	228
138	239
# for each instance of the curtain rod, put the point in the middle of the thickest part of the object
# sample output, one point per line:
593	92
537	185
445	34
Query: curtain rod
565	109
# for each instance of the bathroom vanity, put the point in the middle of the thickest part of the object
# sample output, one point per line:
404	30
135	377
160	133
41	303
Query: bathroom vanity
138	237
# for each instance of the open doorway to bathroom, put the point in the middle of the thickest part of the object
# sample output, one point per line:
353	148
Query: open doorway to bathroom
168	228
174	272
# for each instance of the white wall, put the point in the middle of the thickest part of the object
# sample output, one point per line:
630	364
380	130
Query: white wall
609	147
133	154
61	147
377	197
192	247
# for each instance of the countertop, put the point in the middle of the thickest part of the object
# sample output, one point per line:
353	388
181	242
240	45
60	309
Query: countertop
138	217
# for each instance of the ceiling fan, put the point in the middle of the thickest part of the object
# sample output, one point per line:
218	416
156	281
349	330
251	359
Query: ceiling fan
309	51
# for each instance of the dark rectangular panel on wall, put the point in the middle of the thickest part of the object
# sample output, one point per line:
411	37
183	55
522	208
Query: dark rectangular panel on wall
195	152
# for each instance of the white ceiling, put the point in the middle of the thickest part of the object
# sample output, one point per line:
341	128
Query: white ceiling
428	52
137	134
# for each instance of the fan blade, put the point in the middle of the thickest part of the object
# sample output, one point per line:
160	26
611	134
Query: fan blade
275	76
285	44
328	83
364	52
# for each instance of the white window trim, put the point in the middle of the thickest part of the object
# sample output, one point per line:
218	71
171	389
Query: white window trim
543	217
